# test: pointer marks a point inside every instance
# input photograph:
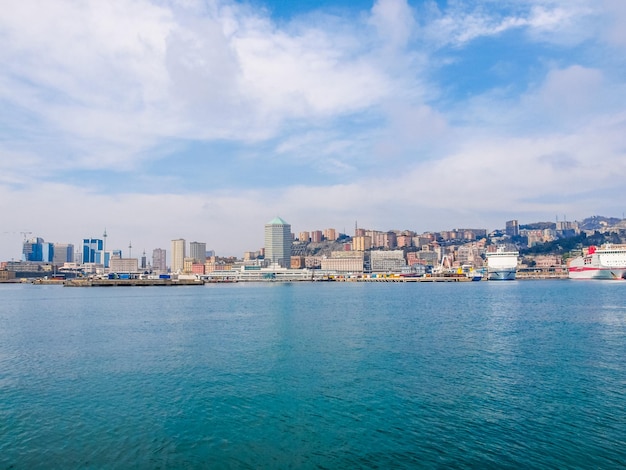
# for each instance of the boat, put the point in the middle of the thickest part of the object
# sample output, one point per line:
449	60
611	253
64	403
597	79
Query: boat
471	273
606	262
502	264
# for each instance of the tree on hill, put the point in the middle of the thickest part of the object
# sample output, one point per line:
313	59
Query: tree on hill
565	245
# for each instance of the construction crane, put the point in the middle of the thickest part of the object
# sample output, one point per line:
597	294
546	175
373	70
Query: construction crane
24	234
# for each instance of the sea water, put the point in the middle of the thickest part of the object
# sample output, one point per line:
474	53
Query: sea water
520	374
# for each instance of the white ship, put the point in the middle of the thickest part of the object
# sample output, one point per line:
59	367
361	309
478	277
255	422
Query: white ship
607	262
502	264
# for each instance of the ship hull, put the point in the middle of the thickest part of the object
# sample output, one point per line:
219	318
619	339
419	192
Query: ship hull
597	273
608	262
502	275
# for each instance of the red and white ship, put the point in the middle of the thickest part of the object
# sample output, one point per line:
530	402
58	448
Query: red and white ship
607	262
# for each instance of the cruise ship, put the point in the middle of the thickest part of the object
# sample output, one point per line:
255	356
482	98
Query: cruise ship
502	264
606	262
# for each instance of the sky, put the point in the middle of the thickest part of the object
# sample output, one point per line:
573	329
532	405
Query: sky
205	119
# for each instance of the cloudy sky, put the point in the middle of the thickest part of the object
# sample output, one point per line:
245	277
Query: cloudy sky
204	119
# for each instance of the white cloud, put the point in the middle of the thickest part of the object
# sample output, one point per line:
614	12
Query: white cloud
94	85
613	29
394	22
115	79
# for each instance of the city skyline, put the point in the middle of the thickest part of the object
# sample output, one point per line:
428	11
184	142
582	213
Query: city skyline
177	254
202	120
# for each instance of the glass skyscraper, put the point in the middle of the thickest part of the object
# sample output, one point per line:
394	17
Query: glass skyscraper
92	250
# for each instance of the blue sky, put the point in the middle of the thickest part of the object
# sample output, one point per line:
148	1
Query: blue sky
205	119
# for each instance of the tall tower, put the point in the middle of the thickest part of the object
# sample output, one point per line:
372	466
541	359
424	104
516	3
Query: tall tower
105	261
197	251
278	242
178	255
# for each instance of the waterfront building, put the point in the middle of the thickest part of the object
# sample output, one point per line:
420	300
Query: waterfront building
297	262
197	268
6	275
123	265
387	261
188	263
159	261
178	255
313	262
278	242
344	262
197	251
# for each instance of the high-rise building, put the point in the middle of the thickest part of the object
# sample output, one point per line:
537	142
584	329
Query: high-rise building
197	251
330	234
178	255
317	236
159	262
63	253
32	249
92	250
512	228
278	241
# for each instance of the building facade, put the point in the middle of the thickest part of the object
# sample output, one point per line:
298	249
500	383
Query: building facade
92	250
33	249
178	255
124	265
512	228
387	261
63	253
278	242
361	243
159	260
197	251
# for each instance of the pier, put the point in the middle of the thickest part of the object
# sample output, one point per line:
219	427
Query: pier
131	282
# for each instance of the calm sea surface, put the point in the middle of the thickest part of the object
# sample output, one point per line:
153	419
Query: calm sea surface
521	374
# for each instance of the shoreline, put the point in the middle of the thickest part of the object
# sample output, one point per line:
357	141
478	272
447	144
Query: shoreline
201	282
